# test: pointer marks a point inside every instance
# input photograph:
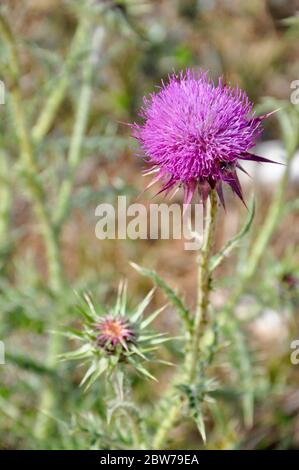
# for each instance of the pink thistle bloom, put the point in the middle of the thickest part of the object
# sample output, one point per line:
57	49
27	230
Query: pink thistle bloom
195	135
114	331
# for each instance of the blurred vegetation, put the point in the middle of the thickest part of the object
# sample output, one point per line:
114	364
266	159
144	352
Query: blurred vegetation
74	78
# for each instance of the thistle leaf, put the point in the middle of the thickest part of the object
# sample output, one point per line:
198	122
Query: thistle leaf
169	292
120	304
198	418
123	300
151	317
143	371
81	353
142	306
138	352
89	372
100	368
160	340
165	363
233	242
89	302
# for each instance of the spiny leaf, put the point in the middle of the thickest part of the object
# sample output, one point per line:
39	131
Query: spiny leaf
151	317
142	370
160	340
169	292
137	351
233	242
90	305
165	363
80	353
101	367
71	334
121	299
198	418
142	306
148	337
85	313
123	302
90	371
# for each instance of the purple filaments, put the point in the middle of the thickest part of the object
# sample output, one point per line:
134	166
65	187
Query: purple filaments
195	135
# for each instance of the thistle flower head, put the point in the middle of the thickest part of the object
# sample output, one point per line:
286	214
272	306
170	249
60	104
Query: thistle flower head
117	338
114	331
195	134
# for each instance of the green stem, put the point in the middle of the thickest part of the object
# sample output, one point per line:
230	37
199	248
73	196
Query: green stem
29	168
173	414
81	120
30	172
55	99
5	201
204	286
48	396
200	322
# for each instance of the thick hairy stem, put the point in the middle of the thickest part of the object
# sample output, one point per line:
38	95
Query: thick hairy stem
204	285
199	324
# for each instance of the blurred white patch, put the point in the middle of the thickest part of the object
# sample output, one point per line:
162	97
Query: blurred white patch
270	327
269	174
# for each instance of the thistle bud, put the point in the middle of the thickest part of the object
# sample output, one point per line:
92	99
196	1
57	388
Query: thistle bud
118	338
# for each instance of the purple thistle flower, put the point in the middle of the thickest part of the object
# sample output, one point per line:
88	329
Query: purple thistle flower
196	133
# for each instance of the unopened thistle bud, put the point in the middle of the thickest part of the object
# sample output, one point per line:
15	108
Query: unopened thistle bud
113	332
118	337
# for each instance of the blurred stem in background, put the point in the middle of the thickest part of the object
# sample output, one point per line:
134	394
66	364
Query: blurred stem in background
288	120
28	165
93	37
49	111
29	172
199	325
75	149
289	128
5	198
87	38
